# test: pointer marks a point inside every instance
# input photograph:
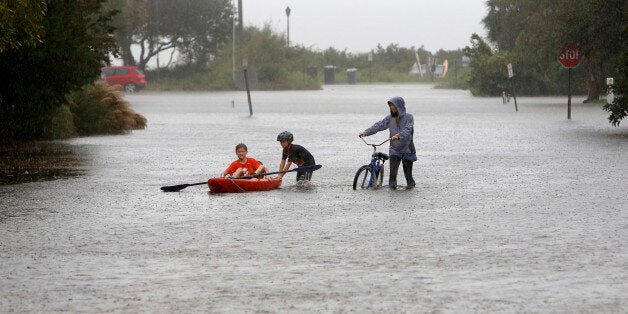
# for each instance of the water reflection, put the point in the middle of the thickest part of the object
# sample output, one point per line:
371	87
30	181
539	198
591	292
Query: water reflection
28	162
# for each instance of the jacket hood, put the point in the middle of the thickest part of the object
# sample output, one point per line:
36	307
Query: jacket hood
400	104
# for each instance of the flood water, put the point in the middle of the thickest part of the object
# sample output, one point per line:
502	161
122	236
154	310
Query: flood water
513	211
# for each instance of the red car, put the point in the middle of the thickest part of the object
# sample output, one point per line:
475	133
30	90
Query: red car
129	77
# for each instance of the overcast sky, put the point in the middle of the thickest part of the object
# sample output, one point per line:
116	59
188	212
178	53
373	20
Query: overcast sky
359	25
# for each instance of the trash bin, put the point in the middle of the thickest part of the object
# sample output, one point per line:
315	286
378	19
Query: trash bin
352	75
330	74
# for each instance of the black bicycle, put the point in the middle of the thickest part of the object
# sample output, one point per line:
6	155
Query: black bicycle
371	175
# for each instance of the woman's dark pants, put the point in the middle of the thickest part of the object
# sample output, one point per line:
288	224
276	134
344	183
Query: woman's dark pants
407	171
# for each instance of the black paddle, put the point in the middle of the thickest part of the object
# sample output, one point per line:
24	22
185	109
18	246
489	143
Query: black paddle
304	168
179	187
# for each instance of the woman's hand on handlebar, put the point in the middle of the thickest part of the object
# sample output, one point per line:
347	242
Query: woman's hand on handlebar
362	134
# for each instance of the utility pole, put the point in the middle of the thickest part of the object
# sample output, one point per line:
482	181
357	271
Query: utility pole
233	42
240	21
288	33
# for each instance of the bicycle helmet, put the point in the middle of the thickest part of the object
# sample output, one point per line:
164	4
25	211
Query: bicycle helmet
285	136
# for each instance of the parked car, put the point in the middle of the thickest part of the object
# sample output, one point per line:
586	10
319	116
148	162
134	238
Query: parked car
129	77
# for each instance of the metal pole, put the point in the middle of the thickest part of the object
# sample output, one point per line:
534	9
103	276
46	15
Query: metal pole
370	58
240	20
512	87
233	30
248	91
288	28
245	64
569	97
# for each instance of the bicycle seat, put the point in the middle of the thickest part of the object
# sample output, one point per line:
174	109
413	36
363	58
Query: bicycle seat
380	155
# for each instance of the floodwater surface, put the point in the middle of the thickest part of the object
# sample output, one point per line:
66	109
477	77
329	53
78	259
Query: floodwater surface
513	211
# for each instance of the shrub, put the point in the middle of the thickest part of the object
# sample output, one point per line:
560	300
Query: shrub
99	109
61	125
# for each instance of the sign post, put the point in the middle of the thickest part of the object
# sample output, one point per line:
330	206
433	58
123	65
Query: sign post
512	87
370	59
245	64
610	94
569	57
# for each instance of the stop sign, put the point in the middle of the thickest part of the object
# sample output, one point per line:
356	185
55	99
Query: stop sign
569	56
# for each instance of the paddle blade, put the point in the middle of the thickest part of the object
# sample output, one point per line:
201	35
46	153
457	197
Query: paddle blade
174	188
177	188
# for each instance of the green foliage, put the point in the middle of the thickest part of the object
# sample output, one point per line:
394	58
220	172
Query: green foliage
61	125
619	107
100	109
277	66
398	59
35	79
458	77
281	67
529	33
503	23
271	73
487	77
21	23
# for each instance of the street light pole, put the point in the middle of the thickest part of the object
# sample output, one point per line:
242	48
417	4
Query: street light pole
233	42
288	34
240	21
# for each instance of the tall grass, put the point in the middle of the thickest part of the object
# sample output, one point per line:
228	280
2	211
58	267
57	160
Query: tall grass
96	109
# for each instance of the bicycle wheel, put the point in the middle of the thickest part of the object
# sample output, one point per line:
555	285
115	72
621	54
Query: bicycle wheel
363	177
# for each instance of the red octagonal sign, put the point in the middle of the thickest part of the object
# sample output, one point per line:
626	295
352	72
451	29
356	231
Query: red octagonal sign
569	56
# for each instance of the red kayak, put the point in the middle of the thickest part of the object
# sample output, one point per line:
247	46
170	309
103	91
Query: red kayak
233	185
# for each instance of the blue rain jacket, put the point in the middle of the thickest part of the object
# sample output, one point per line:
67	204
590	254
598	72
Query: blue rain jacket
404	146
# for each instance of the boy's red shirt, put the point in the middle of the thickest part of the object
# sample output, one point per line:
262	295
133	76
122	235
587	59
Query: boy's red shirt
251	164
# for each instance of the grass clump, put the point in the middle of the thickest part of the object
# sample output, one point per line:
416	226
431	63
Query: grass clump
100	109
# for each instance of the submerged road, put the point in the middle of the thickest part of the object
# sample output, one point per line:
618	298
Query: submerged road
513	211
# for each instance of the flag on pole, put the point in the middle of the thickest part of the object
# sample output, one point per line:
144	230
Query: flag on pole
418	61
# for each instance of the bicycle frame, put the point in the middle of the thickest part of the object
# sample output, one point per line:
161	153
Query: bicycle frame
371	175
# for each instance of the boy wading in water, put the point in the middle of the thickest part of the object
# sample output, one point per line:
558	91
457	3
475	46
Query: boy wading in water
401	131
293	153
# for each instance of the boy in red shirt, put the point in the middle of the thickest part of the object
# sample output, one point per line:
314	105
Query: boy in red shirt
244	166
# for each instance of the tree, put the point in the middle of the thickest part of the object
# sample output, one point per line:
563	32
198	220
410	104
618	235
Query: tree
599	36
132	15
332	56
396	58
619	107
21	23
486	78
34	80
547	25
504	23
195	29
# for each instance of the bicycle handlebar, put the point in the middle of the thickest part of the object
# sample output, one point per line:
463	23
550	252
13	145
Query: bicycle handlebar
374	145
